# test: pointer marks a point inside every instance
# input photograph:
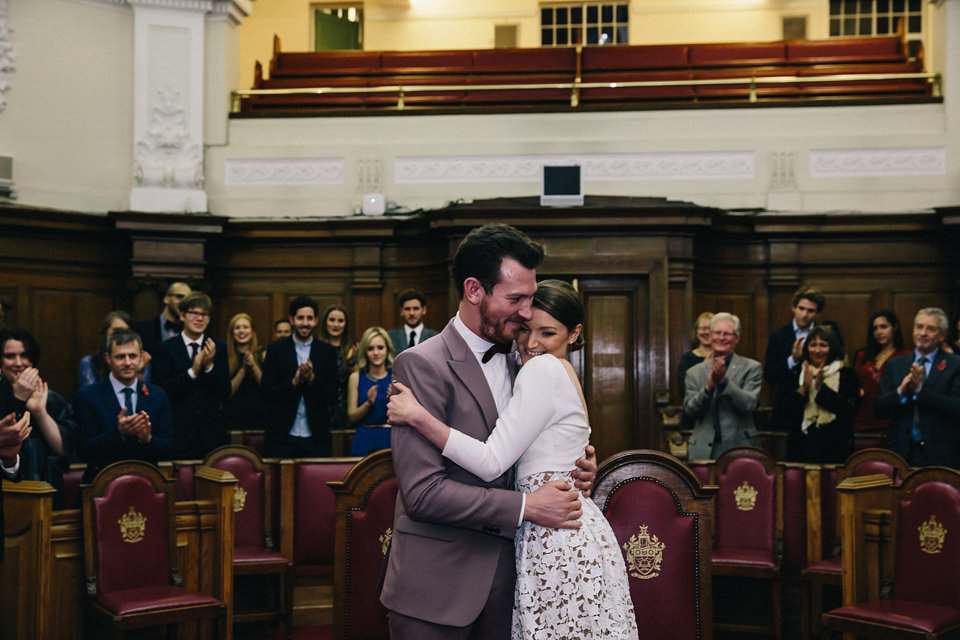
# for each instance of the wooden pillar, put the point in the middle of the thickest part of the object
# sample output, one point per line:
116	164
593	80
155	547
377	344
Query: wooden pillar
219	487
857	495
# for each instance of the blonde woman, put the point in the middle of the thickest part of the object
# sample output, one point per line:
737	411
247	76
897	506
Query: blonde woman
244	409
367	392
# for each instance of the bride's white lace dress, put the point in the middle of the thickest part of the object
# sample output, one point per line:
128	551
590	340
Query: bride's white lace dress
571	583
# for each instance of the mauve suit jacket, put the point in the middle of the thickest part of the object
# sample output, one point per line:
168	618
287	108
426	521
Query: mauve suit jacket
449	526
736	404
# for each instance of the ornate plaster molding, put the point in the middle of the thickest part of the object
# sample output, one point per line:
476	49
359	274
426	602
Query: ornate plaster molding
183	5
8	53
732	165
168	156
843	163
284	171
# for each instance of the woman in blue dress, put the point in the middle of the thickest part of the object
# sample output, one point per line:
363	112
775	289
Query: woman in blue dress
367	392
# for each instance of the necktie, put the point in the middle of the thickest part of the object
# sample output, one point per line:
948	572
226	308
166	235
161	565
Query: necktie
194	347
502	347
413	339
128	400
915	432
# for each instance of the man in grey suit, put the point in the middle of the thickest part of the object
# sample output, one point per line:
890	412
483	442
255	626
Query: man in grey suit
722	393
413	307
451	571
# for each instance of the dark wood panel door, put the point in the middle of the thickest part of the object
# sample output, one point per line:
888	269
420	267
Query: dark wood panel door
613	364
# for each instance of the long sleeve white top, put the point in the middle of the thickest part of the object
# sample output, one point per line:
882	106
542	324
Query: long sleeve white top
544	427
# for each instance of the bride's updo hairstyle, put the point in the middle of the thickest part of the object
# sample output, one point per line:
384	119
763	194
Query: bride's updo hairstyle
561	301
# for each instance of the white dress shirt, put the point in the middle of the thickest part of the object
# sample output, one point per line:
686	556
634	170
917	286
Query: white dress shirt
118	388
301	426
199	342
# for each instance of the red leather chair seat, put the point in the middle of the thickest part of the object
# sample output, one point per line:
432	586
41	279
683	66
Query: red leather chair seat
144	599
906	614
827	565
253	555
744	557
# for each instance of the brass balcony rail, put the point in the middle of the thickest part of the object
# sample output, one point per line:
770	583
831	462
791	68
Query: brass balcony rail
576	86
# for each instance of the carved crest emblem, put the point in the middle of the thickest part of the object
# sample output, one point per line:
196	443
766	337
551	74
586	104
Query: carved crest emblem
385	540
932	534
239	499
644	553
133	526
746	497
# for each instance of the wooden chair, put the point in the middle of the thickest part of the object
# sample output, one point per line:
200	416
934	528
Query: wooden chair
365	504
748	525
824	566
254	552
906	536
129	549
661	516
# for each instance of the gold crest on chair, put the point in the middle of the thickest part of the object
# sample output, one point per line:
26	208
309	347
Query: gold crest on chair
385	540
239	499
644	553
133	526
932	534
746	497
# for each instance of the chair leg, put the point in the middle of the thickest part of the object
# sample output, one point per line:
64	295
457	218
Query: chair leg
806	611
287	585
816	606
777	610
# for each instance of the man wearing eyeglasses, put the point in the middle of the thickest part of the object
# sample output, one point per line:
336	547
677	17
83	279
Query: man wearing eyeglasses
165	326
192	368
722	393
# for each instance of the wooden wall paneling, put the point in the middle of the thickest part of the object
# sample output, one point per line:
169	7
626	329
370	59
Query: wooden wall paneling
907	303
850	310
68	590
257	306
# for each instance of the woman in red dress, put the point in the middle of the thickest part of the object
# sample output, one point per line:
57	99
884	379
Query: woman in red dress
884	341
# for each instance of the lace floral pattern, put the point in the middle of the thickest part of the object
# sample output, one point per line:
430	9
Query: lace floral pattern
571	583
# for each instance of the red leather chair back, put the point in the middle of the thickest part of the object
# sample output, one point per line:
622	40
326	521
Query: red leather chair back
746	502
255	440
928	546
644	515
131	529
71	489
315	516
829	511
368	532
248	501
701	470
869	467
794	518
183	485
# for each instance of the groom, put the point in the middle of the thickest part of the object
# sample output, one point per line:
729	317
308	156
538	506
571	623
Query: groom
451	571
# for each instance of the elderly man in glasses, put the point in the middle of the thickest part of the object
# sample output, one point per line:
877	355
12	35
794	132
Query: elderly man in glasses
722	393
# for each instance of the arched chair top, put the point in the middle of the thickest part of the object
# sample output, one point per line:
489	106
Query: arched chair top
378	464
236	451
753	453
874	460
664	467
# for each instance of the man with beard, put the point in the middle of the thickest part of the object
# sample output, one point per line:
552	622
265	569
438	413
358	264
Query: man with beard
451	571
168	324
299	384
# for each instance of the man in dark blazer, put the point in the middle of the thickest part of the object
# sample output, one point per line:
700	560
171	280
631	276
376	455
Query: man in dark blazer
413	307
13	433
920	393
192	368
299	384
451	567
120	417
154	331
785	348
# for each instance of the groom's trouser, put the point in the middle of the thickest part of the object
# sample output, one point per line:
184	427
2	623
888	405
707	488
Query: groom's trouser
494	621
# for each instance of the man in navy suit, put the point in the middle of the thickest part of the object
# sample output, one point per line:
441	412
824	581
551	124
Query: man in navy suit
192	368
299	384
120	417
920	393
168	324
785	350
413	307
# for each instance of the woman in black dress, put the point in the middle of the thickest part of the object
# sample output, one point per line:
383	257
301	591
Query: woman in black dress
244	409
335	331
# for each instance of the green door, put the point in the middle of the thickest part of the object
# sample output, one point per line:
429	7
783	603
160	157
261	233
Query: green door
335	33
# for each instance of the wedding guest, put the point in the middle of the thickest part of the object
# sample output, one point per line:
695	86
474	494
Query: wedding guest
282	328
335	331
821	409
884	341
367	392
700	349
244	409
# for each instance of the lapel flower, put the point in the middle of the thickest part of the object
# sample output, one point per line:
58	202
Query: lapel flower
144	390
942	365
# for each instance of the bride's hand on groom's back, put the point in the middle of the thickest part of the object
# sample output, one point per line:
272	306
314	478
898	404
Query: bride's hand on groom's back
586	471
554	505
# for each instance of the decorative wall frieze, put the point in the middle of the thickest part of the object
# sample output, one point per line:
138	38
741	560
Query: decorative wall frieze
732	165
843	163
168	156
180	5
284	171
8	53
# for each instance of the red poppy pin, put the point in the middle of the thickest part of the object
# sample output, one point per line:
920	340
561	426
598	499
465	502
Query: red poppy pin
942	365
143	388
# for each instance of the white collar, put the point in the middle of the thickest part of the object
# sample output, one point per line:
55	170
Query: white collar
477	344
797	329
119	386
187	341
417	329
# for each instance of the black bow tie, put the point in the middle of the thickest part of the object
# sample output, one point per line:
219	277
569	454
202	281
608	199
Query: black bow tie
503	347
170	325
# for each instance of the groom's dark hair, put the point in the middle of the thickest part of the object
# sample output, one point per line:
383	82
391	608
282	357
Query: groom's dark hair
483	250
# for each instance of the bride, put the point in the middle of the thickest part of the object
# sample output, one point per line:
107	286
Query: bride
571	583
